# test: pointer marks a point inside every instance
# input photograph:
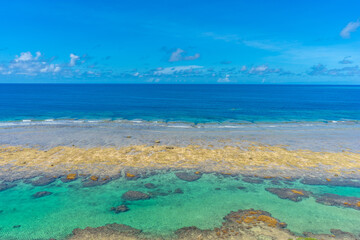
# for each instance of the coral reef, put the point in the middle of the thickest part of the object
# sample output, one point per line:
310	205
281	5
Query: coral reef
4	186
119	209
188	176
150	185
338	200
252	180
135	196
41	194
340	182
43	181
227	159
335	234
295	195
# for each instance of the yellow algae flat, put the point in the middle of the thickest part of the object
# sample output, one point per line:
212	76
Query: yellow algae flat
225	159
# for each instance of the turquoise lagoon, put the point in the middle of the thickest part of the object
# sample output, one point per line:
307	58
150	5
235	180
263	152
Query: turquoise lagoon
202	205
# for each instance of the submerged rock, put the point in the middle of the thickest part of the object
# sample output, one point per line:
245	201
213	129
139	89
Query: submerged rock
336	234
43	181
276	182
295	195
150	185
5	186
178	191
135	196
93	181
338	200
253	180
69	178
41	194
188	176
119	209
340	182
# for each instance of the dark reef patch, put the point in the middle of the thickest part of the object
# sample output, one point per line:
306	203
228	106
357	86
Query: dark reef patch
69	178
119	209
188	176
253	180
338	181
178	191
43	181
335	234
338	200
4	186
93	181
135	196
150	185
292	194
41	194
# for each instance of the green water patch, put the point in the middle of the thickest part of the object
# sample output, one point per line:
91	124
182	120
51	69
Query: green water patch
203	204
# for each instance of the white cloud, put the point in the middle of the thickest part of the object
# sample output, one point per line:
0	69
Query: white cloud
54	68
264	69
350	27
226	79
258	69
177	69
73	59
28	64
24	57
243	68
178	55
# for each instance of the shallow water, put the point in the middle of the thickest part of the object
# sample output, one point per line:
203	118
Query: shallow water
73	206
315	136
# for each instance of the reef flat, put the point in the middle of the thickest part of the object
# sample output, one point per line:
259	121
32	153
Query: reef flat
262	160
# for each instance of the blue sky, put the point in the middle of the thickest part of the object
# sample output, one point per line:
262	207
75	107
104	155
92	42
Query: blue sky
312	42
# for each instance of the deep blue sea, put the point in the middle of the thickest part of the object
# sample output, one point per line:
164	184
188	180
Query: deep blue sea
188	103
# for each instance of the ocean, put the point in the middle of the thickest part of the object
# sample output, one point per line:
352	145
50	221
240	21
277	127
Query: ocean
180	103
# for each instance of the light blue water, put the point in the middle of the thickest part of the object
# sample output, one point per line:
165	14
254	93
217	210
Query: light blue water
190	103
72	206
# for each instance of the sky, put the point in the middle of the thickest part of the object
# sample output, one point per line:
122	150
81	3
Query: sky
197	41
